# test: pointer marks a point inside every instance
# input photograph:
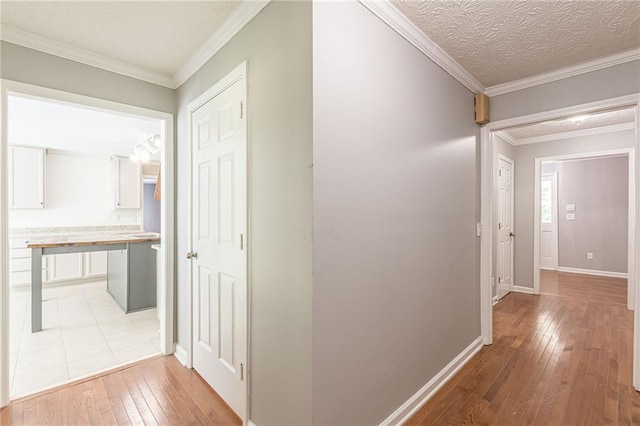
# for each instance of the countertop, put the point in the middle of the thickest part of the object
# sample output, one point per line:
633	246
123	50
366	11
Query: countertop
92	239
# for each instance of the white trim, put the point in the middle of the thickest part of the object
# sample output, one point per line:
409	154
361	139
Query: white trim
241	16
521	289
634	263
167	196
588	108
237	74
413	404
507	137
573	134
250	423
244	13
486	143
565	72
593	272
63	50
390	15
181	354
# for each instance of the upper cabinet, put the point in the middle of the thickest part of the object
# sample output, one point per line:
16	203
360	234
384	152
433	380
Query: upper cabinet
26	177
127	176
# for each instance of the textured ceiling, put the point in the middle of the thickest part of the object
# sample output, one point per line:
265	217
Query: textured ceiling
504	40
591	121
72	128
156	35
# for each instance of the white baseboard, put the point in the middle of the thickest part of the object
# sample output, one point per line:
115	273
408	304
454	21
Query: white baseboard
413	404
548	269
181	354
520	289
594	272
250	423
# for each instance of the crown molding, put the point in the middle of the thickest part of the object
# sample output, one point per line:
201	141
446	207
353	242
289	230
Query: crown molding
565	72
63	50
502	134
240	17
391	16
574	134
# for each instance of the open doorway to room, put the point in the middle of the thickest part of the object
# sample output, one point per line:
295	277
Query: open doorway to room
83	279
574	235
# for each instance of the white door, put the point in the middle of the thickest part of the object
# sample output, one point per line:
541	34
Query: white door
504	261
219	260
549	221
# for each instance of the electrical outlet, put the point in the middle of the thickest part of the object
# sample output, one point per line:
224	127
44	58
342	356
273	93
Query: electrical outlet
589	255
571	207
571	216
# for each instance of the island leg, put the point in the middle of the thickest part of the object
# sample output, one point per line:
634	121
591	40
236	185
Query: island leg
36	290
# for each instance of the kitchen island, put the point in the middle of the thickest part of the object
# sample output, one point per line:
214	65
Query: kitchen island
62	244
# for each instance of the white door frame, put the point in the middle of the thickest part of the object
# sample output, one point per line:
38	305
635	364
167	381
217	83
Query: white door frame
239	73
486	213
556	217
631	249
9	87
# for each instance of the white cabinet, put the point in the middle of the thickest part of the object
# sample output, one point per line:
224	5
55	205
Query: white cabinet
65	267
127	177
95	264
26	177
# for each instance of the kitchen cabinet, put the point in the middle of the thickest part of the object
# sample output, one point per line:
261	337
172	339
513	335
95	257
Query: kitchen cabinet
95	264
127	178
65	267
20	262
131	277
26	177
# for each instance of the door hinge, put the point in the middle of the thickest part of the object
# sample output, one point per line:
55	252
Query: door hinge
241	371
241	109
241	241
499	280
500	172
499	226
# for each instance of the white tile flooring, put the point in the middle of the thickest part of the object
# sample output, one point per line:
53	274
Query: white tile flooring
84	332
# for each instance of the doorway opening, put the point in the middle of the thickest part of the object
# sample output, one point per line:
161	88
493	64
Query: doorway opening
74	299
606	128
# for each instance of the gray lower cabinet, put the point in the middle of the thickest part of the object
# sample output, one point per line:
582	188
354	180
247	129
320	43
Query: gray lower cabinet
131	277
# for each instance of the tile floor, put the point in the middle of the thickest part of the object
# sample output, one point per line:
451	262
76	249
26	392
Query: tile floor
84	332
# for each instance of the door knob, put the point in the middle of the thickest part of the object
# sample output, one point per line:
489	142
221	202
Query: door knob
511	234
192	255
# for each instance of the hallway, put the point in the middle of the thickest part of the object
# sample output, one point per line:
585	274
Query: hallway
563	357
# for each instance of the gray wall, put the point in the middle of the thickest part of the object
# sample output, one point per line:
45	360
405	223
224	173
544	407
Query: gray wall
396	292
525	156
619	80
277	46
41	69
599	188
503	147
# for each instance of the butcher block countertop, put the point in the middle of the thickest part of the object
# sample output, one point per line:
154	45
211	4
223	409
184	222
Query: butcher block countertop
84	239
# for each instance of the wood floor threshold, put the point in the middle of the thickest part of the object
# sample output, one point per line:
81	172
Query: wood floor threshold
84	379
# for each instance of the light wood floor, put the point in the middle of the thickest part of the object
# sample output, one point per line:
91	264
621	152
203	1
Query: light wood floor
563	357
157	391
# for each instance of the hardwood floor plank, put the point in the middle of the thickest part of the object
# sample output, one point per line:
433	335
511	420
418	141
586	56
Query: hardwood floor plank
562	357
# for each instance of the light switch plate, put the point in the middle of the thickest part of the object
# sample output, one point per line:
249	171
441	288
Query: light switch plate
571	207
571	216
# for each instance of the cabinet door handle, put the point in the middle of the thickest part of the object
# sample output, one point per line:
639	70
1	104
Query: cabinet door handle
192	255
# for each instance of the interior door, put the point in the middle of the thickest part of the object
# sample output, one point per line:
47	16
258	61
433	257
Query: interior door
219	260
504	261
549	221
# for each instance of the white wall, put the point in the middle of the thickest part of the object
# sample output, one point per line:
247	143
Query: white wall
78	192
277	46
524	184
395	291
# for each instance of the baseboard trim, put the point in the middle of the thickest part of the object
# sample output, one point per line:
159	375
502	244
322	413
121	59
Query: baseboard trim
250	423
181	354
594	272
413	404
520	289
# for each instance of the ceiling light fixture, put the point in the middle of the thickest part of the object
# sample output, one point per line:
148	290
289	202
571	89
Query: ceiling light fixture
578	118
143	150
